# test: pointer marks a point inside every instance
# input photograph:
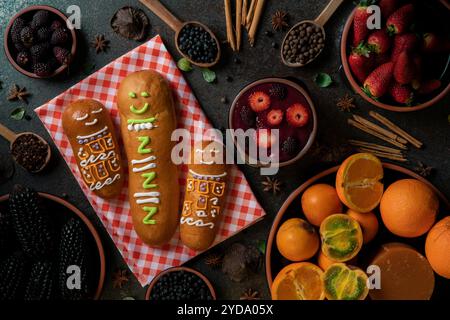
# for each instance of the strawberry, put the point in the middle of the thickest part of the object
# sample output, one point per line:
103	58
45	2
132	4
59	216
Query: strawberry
360	62
405	42
259	101
433	43
429	86
275	117
401	93
379	42
400	20
405	69
418	63
382	59
360	30
388	7
264	138
297	115
378	82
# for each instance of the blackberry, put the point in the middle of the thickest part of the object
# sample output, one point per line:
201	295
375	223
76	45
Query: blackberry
31	225
247	116
40	18
12	272
5	234
27	36
40	52
20	46
62	55
16	28
40	285
73	252
56	25
59	37
44	34
278	91
290	146
42	69
23	58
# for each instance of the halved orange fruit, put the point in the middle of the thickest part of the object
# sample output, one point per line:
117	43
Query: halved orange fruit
299	281
345	283
358	182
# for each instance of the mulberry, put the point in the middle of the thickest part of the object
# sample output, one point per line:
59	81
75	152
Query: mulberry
39	52
40	285
40	18
12	272
59	37
62	55
31	225
42	69
27	36
16	28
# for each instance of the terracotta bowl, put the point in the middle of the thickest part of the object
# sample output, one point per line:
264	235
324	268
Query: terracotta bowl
357	87
93	241
175	269
303	92
292	208
8	46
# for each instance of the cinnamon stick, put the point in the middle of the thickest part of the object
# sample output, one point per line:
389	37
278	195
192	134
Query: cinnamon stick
384	155
250	13
376	134
229	21
416	143
255	22
379	129
238	24
375	147
244	12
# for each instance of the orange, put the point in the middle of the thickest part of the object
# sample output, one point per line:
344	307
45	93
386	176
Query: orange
408	208
358	182
437	247
320	201
297	240
324	262
341	237
299	281
368	222
345	283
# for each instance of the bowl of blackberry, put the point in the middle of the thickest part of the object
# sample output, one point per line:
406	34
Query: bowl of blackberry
39	43
49	250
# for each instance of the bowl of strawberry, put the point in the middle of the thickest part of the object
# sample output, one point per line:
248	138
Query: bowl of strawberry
403	66
268	104
38	42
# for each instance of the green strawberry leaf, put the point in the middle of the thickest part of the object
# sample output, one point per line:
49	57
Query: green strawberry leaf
209	75
184	65
323	80
18	114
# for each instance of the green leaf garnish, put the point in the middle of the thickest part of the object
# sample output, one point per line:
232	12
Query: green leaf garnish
184	65
262	246
323	80
18	114
209	75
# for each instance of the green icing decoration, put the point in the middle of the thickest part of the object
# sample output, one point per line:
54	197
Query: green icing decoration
149	177
144	142
137	121
132	95
140	111
145	94
151	212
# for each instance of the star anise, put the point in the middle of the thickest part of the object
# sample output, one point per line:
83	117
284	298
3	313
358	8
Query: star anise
279	20
100	43
214	260
17	93
120	277
271	185
250	294
346	103
423	170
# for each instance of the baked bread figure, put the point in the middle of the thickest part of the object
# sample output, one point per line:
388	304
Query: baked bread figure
147	115
206	188
90	130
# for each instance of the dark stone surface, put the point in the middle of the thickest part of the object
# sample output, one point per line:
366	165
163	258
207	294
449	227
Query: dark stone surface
430	125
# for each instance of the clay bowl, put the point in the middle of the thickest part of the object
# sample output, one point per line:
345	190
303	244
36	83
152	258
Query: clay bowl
357	87
292	208
250	161
10	51
60	209
175	269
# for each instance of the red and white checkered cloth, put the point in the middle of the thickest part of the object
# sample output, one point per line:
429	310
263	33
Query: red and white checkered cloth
242	208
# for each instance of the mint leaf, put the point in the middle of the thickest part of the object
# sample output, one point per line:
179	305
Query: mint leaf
184	65
209	75
18	114
323	80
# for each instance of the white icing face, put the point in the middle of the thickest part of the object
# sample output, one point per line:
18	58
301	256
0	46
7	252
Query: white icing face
89	119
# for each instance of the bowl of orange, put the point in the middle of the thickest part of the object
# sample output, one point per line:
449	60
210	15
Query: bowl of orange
352	210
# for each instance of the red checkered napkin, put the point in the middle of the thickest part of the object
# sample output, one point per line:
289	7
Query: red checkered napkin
242	208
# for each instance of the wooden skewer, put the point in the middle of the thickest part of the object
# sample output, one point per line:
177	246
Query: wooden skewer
250	13
255	22
379	129
374	146
229	21
244	12
376	134
416	143
238	24
384	155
